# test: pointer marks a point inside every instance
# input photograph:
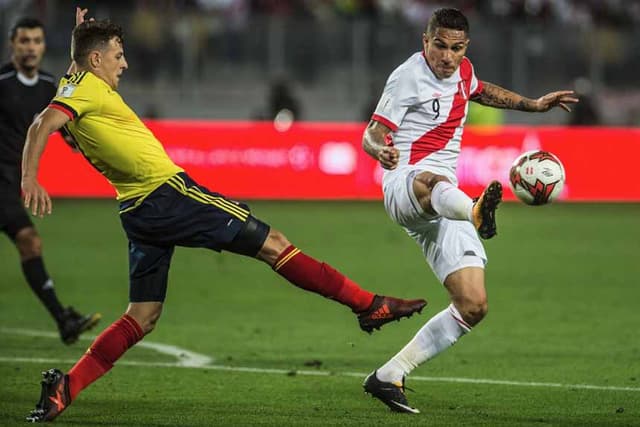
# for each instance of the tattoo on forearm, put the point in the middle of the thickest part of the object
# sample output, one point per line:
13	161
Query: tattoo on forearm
495	96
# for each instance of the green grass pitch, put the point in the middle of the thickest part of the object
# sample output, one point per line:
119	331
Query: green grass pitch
563	295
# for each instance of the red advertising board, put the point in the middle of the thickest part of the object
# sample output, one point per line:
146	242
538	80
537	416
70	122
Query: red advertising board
256	160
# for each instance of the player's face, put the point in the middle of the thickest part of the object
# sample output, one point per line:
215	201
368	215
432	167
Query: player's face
27	48
112	63
444	50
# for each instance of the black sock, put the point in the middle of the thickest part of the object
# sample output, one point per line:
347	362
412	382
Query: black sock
42	286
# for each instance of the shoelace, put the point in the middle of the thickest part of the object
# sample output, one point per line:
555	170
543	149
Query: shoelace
404	388
475	200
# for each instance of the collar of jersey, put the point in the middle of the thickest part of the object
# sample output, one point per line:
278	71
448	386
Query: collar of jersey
27	81
102	82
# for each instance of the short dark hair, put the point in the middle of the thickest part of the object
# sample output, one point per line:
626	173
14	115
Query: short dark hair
449	18
24	23
92	35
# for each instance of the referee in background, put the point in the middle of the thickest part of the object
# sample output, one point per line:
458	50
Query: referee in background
25	90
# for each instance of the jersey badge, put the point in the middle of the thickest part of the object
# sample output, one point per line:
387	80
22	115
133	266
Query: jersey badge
67	90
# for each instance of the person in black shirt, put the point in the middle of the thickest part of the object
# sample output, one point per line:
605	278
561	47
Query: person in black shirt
25	90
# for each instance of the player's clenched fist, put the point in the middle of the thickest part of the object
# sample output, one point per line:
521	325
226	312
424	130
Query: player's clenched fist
388	157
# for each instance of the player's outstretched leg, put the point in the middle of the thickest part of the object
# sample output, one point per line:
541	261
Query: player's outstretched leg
391	394
54	397
72	324
307	273
484	210
385	309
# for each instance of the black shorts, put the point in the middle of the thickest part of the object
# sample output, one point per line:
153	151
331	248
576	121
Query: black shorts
180	213
13	216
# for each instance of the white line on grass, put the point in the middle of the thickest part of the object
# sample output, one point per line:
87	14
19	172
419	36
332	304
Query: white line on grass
178	353
185	357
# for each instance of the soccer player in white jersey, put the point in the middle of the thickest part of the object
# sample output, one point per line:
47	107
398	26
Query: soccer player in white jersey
415	134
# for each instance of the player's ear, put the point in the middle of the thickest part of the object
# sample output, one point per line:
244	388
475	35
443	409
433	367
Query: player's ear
95	58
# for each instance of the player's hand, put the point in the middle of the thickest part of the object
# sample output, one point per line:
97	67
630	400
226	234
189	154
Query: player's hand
80	14
36	197
561	98
388	157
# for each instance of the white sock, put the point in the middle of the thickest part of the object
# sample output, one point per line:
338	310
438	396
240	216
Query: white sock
438	334
450	202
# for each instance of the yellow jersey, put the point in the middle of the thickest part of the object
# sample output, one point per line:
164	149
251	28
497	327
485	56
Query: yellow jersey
111	136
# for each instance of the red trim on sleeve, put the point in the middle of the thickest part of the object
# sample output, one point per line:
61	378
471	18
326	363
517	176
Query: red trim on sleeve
388	123
479	88
466	70
471	74
60	107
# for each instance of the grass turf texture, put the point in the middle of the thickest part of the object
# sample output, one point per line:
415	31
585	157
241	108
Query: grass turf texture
562	283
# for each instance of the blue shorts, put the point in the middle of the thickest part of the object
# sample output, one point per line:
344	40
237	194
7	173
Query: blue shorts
178	213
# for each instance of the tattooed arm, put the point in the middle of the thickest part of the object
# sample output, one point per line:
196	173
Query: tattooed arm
495	96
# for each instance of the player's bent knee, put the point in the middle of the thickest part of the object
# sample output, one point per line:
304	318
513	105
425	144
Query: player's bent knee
29	243
436	179
274	245
423	185
474	311
146	314
429	179
148	326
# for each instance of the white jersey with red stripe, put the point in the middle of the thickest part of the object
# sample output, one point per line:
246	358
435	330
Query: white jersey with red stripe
427	114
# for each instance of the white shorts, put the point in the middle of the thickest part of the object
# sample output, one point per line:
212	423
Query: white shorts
448	245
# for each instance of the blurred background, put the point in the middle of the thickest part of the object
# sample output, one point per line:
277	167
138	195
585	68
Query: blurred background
327	60
563	277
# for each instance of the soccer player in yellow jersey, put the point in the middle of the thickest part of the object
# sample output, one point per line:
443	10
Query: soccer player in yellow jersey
160	207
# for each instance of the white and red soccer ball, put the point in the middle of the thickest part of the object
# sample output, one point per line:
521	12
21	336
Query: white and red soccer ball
537	177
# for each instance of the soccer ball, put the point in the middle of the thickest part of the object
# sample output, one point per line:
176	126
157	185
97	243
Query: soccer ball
536	177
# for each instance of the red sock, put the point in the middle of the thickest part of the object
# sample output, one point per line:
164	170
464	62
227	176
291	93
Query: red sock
307	273
112	343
